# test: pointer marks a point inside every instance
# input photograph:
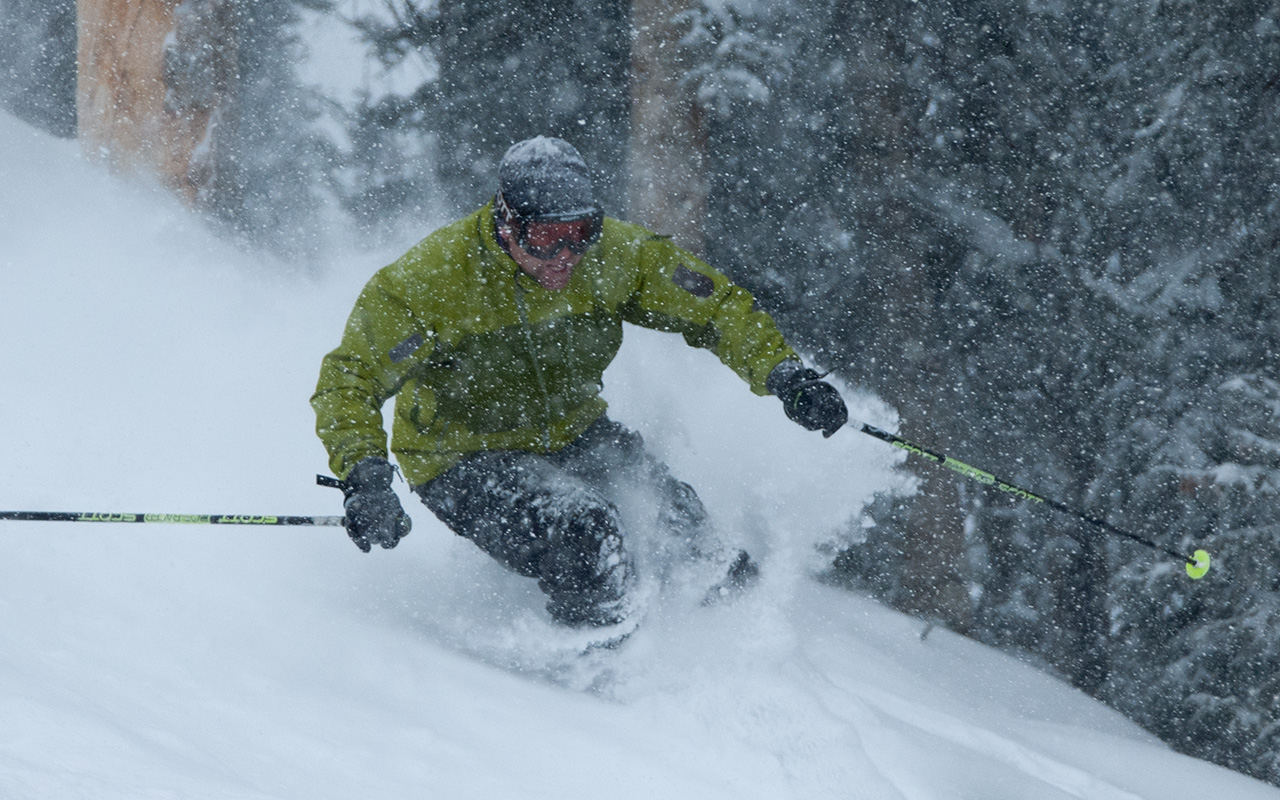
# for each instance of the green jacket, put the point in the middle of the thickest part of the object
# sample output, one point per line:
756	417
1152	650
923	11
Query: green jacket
481	357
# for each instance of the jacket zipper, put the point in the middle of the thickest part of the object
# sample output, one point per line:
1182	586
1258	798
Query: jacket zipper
523	311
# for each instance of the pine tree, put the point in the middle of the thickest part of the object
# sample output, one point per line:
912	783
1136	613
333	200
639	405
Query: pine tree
286	161
502	73
38	63
1046	234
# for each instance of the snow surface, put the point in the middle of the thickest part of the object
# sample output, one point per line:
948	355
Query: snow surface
150	367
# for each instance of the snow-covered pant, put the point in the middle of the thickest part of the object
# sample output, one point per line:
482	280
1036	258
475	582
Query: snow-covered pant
554	516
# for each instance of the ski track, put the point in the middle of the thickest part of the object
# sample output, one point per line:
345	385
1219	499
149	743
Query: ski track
984	744
151	367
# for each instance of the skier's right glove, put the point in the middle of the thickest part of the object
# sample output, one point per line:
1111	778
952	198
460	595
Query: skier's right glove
374	514
807	399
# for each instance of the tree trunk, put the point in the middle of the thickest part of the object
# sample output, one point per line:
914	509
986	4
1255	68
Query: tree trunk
668	183
933	577
157	93
905	350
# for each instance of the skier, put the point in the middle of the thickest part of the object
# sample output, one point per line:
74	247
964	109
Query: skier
493	334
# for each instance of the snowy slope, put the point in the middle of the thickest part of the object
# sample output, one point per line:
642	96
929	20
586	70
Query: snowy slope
149	367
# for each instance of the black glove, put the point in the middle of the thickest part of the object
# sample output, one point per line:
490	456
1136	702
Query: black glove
807	398
374	513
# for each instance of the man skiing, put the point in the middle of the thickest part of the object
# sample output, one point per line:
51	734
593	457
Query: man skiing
493	334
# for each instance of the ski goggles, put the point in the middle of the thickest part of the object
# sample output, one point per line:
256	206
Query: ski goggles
544	237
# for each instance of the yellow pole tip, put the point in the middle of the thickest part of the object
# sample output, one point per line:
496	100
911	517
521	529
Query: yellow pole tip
1199	566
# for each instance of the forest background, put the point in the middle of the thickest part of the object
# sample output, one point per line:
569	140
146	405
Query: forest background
1048	233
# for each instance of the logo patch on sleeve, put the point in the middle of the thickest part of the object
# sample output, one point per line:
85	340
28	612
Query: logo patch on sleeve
405	349
695	283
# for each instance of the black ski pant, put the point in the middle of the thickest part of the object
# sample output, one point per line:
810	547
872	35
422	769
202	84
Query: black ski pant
554	516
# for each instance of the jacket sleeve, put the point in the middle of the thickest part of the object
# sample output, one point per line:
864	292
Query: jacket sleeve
679	293
381	345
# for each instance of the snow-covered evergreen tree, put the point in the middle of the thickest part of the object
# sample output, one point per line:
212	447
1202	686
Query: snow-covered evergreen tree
285	160
1047	234
493	74
38	62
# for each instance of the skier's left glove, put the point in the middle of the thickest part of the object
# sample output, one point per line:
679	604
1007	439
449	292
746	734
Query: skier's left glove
374	514
807	399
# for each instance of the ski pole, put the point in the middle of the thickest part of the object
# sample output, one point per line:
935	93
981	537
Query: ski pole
1197	563
178	519
170	519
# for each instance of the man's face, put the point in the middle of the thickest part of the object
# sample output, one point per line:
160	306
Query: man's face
551	273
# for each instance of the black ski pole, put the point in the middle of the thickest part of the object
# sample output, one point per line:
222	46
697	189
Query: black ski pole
179	519
168	519
1197	563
